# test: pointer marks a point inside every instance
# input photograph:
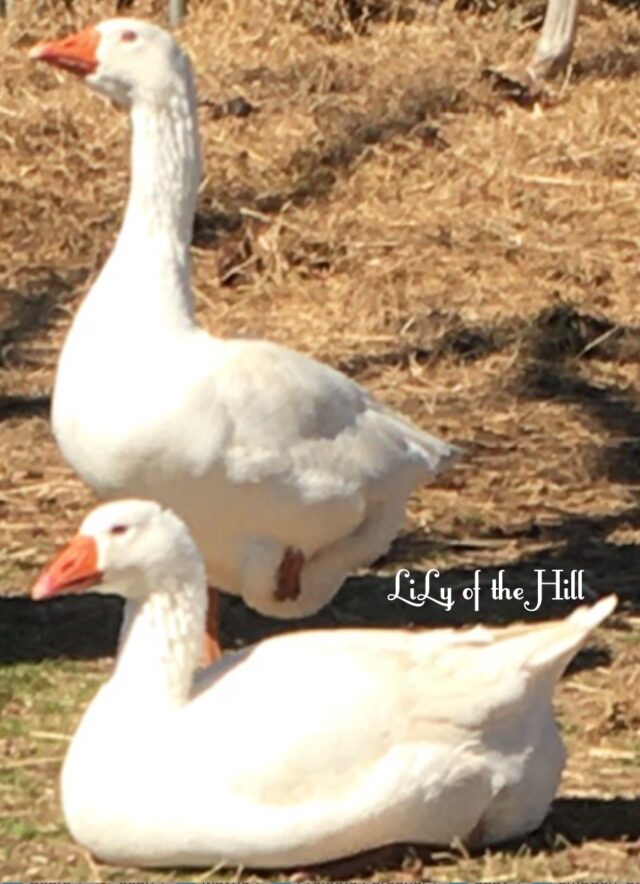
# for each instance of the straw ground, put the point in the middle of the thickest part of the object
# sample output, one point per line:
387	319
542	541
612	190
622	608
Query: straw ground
371	201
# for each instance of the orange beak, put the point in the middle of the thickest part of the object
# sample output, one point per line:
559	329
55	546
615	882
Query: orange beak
74	569
76	53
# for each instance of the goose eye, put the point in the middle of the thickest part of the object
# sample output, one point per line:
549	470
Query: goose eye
118	529
128	36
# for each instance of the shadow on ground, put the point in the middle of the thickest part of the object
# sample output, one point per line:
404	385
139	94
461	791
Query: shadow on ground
24	406
313	172
572	820
86	627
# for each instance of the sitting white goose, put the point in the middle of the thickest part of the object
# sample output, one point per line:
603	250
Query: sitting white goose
288	474
309	746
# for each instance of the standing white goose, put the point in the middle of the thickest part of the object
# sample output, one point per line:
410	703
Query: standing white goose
370	736
288	474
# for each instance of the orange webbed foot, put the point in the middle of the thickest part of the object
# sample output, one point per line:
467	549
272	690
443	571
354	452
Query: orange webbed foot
288	576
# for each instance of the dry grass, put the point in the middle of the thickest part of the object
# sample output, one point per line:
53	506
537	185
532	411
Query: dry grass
473	263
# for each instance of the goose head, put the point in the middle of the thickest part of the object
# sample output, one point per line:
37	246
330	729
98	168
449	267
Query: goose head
127	548
127	60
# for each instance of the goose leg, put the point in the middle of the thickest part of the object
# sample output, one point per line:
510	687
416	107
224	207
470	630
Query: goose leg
557	37
551	55
288	577
211	650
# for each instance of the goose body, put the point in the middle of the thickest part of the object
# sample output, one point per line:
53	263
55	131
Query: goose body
309	746
283	455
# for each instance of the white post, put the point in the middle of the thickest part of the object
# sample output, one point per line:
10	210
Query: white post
555	43
177	9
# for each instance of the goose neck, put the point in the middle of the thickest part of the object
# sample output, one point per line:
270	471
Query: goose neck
161	642
165	171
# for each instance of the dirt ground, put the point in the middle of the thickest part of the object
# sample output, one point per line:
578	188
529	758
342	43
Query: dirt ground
371	200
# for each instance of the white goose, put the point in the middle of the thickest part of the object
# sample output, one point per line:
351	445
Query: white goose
288	474
309	746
